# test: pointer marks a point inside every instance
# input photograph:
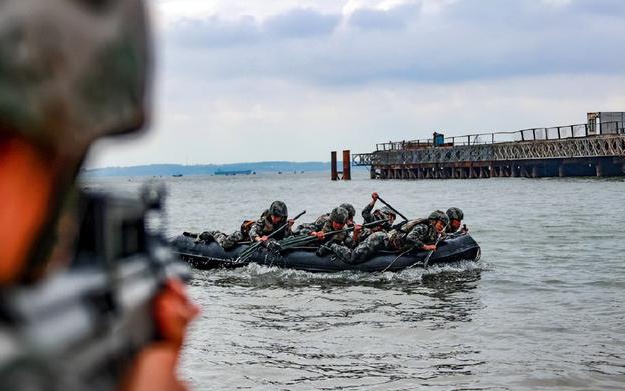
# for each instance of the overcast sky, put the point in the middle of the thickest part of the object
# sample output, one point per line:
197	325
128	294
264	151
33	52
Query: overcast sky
250	80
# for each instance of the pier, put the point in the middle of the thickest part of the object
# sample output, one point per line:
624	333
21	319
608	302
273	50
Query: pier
596	148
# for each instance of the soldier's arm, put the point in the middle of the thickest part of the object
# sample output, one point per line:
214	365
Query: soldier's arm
257	229
366	213
320	222
417	235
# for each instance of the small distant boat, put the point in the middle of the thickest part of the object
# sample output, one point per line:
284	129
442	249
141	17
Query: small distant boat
237	172
177	175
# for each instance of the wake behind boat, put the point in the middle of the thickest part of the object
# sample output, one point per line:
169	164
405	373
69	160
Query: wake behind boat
211	255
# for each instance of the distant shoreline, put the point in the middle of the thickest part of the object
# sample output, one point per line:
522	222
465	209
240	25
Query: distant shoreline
206	169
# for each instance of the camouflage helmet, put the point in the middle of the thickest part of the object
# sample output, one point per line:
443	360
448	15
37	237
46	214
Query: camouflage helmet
455	214
339	215
440	216
388	211
278	208
72	71
351	211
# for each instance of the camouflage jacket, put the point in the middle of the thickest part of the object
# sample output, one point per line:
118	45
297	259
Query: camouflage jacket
419	235
343	238
307	228
369	215
264	226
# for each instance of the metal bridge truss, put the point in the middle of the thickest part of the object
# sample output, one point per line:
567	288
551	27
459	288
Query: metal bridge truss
594	146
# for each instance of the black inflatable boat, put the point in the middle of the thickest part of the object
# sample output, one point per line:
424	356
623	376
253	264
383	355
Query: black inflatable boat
210	256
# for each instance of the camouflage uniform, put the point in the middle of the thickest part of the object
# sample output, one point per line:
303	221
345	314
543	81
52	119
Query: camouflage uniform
340	238
224	240
307	228
338	215
369	215
317	226
415	235
264	226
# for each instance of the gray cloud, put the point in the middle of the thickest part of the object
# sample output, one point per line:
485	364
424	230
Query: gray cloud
301	23
215	32
468	40
394	19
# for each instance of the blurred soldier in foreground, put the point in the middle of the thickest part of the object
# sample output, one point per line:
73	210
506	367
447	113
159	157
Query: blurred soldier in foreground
88	299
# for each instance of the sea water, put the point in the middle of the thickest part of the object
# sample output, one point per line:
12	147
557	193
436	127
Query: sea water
544	308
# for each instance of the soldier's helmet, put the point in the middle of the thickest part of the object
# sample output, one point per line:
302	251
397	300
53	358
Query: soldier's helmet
351	211
388	211
278	208
455	214
339	215
72	71
440	216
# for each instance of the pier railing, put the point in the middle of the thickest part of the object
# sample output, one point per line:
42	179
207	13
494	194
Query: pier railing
573	141
533	134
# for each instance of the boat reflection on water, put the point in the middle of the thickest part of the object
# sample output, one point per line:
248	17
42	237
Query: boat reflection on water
450	297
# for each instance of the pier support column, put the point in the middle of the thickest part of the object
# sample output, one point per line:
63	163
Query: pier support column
599	169
347	165
535	171
561	170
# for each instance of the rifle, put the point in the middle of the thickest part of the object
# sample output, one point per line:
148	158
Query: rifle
305	239
248	252
84	325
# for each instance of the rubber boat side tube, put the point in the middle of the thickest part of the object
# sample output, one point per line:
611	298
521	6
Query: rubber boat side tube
210	256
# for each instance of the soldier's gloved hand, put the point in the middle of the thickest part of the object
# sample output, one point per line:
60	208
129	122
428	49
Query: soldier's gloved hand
374	195
464	229
429	247
290	222
273	245
262	239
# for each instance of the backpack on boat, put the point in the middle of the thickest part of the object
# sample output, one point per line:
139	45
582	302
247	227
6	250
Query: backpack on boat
246	226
